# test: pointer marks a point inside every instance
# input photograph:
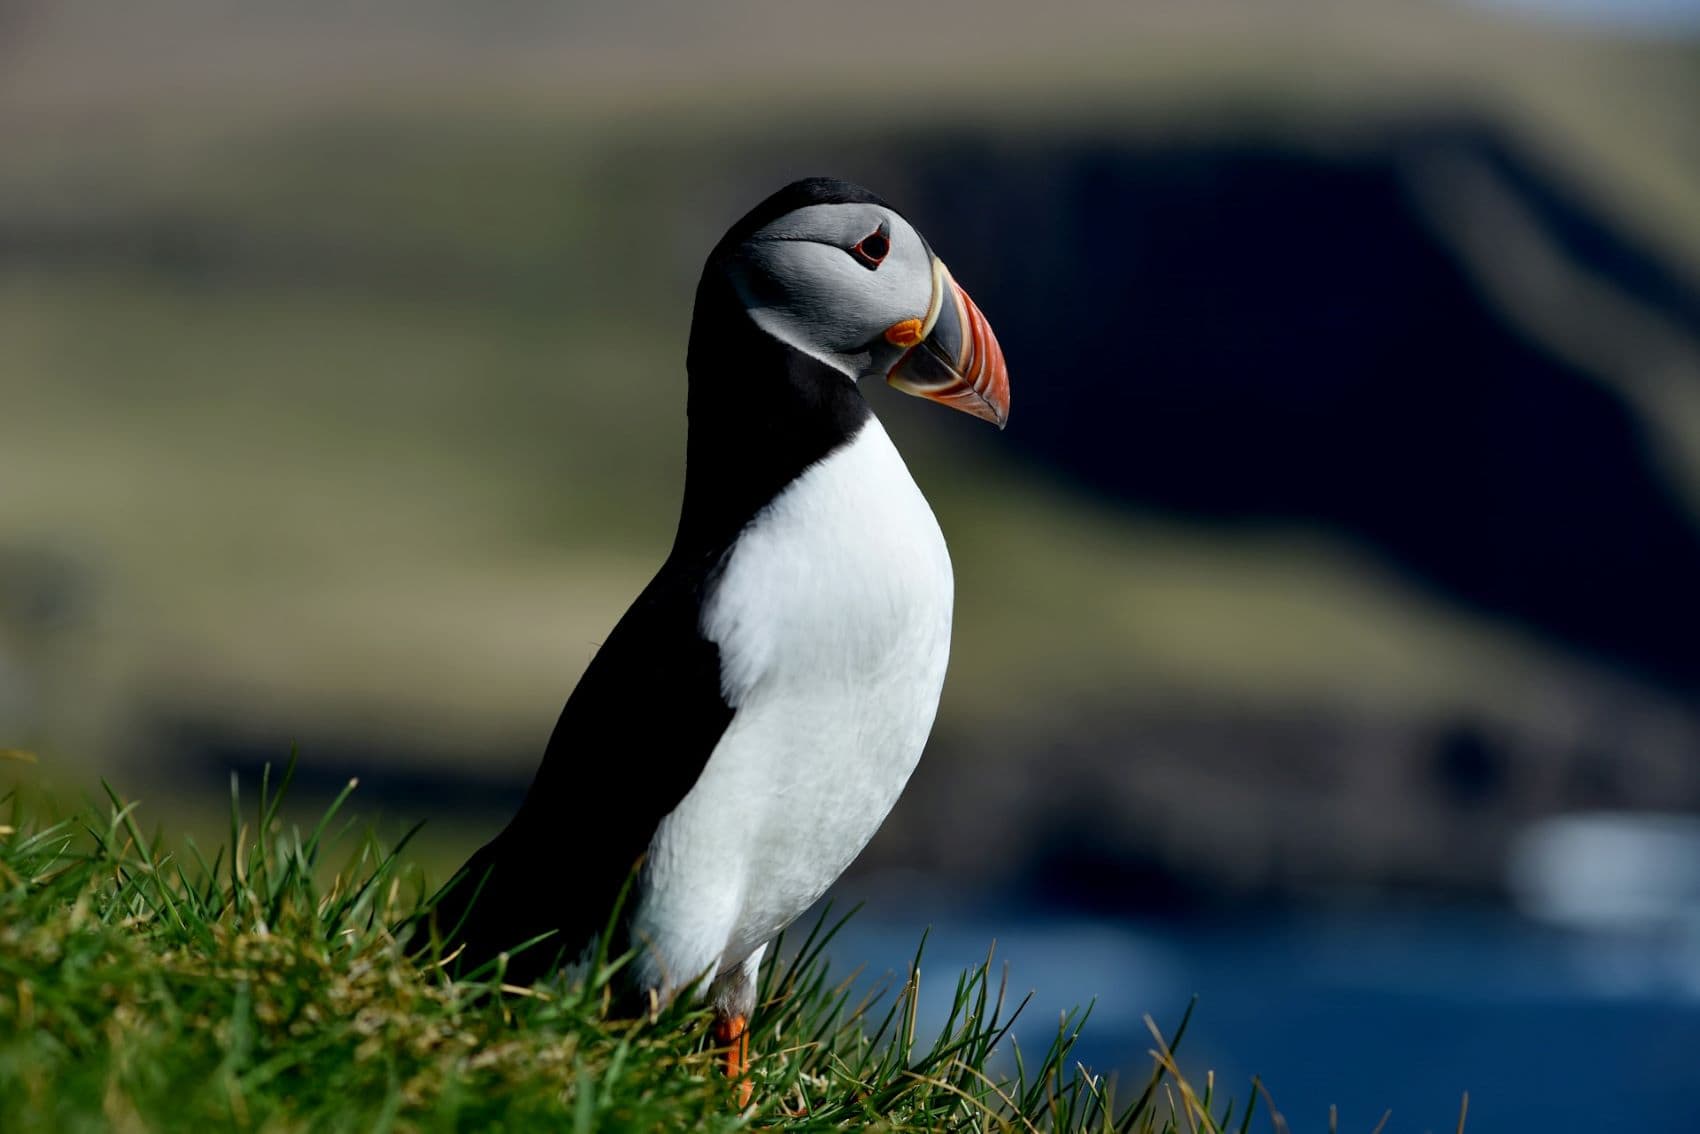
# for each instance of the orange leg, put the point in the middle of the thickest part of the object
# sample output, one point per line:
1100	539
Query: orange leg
733	1033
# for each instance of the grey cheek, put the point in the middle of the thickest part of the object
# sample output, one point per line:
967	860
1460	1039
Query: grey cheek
860	318
785	325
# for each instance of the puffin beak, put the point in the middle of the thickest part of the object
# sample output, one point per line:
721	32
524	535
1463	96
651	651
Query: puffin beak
956	361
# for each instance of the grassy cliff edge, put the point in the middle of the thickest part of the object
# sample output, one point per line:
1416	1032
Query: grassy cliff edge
153	987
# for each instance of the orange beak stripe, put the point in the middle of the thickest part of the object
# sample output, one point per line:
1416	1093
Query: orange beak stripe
904	334
957	361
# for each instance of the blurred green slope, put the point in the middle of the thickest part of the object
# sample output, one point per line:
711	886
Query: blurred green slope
313	479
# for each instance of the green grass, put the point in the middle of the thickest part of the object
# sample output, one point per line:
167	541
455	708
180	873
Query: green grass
149	987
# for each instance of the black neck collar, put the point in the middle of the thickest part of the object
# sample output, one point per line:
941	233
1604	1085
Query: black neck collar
760	412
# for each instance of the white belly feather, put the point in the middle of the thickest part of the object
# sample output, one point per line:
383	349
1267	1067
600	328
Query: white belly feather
832	616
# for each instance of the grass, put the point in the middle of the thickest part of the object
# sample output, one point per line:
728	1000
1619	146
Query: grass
148	987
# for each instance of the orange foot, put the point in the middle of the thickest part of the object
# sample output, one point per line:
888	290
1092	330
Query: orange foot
733	1033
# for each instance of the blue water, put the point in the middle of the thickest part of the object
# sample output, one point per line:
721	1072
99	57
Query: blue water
1644	16
1549	1032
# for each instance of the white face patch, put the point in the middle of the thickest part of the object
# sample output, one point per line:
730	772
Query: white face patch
803	284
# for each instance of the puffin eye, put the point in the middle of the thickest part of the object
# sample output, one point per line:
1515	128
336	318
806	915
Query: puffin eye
871	250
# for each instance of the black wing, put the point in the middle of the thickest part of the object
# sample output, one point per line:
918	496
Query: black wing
631	741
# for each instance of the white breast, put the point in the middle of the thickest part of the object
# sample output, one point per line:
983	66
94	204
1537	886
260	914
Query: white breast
832	616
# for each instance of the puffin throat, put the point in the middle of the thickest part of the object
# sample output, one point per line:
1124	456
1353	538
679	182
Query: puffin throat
759	412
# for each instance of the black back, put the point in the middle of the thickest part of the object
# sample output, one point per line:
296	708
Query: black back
637	731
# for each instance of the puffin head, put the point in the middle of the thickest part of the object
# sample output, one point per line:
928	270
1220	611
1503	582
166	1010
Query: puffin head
834	273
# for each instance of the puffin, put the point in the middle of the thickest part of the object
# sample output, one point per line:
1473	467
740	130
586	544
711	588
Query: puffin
746	727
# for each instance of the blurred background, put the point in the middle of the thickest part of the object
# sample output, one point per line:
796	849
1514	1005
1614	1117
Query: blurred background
1326	633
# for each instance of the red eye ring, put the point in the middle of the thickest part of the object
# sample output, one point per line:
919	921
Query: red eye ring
872	249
